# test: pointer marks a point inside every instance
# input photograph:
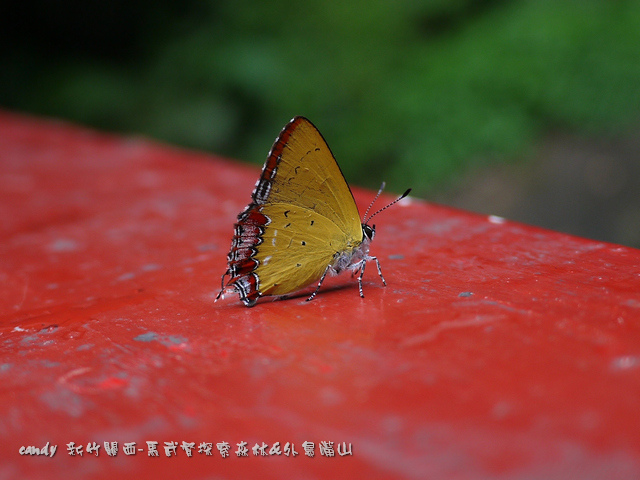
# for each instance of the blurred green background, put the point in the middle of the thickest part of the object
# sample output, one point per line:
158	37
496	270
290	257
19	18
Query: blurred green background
525	108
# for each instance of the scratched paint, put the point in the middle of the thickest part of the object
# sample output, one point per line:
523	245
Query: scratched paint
166	340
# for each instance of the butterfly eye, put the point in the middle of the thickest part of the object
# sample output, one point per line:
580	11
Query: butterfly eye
368	231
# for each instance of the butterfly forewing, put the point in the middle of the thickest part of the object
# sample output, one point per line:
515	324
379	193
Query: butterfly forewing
308	176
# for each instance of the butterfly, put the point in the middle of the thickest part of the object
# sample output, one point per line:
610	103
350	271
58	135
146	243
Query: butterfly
301	224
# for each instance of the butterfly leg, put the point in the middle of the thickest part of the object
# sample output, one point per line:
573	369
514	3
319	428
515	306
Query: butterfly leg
379	269
221	293
363	263
319	283
356	271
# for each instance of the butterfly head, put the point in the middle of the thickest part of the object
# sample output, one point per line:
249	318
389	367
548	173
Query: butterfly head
368	231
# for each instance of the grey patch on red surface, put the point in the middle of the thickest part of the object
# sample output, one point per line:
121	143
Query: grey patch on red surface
146	337
166	340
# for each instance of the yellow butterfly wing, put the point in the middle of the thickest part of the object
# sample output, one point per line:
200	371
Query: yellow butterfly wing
302	217
308	176
297	247
311	209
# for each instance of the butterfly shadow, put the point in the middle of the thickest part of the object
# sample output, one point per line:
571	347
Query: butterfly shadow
306	292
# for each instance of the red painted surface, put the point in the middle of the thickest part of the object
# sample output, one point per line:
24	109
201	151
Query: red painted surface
497	350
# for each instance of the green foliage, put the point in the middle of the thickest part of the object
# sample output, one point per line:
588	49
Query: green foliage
406	91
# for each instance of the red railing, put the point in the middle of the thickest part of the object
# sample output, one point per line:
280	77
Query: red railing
496	350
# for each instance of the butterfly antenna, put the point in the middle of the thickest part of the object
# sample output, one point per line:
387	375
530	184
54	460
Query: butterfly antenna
364	219
384	208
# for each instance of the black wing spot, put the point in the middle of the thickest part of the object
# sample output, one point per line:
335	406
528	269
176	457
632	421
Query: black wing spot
312	222
287	225
286	213
303	242
298	264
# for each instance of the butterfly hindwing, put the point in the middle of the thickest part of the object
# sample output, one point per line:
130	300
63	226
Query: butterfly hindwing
296	248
